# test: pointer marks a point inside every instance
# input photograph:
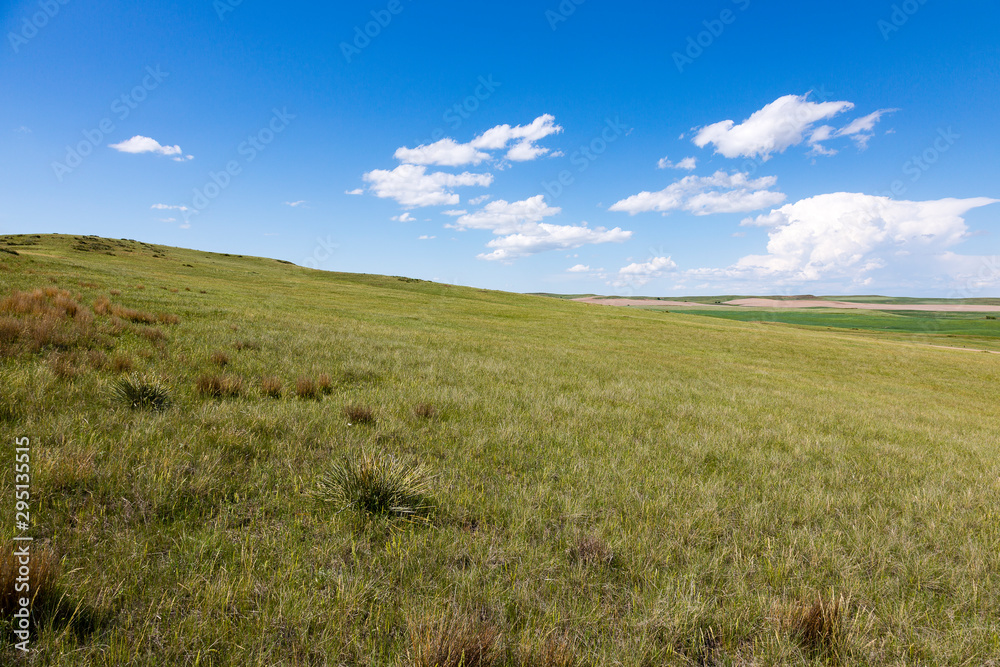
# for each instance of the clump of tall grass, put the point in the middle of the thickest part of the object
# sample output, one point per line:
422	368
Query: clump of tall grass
43	572
359	414
218	386
141	393
454	641
305	387
373	484
819	626
219	358
271	387
425	411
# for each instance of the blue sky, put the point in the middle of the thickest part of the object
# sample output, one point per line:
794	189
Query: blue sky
732	146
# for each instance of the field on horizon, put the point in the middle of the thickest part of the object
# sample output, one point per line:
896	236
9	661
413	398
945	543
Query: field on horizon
604	486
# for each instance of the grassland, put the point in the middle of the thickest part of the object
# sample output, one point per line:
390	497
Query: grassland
610	486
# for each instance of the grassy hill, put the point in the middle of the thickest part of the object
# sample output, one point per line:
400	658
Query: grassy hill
592	485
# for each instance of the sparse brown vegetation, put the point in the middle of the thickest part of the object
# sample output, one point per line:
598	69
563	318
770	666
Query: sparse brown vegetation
819	625
219	386
324	383
246	345
219	358
454	641
271	387
425	411
591	550
44	570
121	364
359	414
305	387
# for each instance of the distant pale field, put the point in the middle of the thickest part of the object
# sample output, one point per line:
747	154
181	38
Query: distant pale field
612	486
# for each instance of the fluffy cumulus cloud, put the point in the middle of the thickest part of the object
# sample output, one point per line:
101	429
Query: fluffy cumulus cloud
541	237
578	268
519	142
412	186
501	217
445	153
521	231
847	236
640	273
140	144
788	121
705	195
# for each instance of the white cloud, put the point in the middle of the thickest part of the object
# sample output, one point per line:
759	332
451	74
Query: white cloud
445	153
476	201
355	191
705	195
863	129
521	230
773	129
501	217
449	153
846	236
295	204
168	207
411	185
426	238
455	213
638	274
403	217
140	144
168	219
541	237
688	164
579	268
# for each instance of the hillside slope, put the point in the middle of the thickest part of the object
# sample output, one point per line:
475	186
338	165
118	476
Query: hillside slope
611	486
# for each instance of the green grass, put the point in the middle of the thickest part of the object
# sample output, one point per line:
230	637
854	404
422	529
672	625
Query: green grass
909	322
611	486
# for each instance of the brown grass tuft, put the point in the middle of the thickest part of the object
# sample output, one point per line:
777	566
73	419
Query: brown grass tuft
425	411
591	550
151	333
454	642
167	318
115	292
97	360
359	414
219	386
246	345
43	572
818	626
556	651
271	387
64	365
121	364
325	383
219	358
306	388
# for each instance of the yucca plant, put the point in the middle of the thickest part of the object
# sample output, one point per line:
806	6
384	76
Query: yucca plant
375	484
140	393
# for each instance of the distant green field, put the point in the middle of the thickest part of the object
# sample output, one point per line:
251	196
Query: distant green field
598	486
912	322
